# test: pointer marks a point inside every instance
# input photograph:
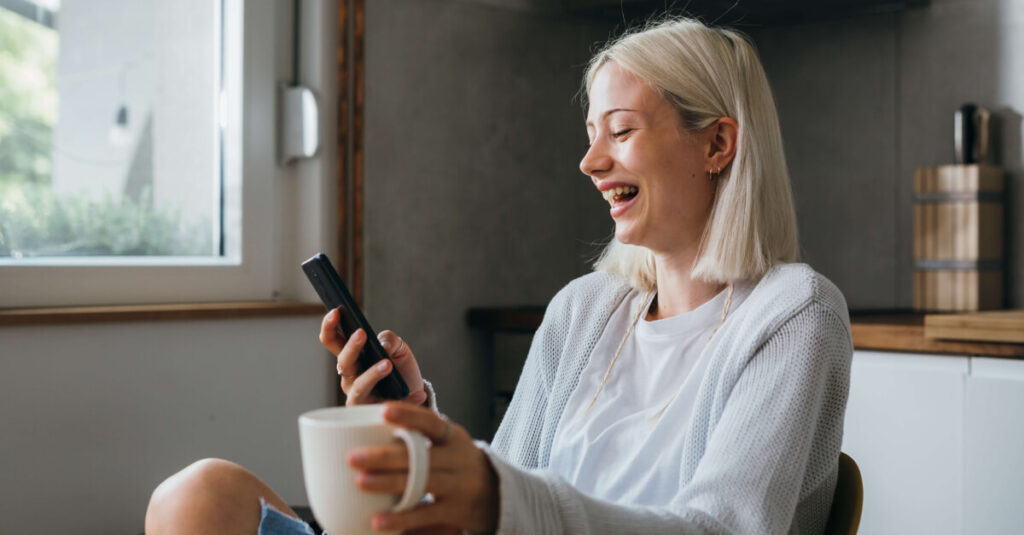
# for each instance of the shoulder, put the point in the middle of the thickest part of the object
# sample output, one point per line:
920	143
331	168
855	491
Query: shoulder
573	322
591	290
585	303
793	287
785	292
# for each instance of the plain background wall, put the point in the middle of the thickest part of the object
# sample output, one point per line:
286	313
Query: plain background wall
96	416
865	100
473	192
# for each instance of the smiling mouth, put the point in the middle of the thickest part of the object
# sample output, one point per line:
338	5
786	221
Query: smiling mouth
616	196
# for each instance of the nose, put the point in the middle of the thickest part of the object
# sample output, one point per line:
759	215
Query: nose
596	161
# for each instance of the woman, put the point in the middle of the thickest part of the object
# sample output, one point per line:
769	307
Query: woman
694	383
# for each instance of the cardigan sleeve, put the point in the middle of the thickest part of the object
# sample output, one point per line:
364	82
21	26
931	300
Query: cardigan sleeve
519	435
785	407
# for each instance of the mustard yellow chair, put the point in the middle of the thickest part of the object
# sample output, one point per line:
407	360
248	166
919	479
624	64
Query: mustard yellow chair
844	518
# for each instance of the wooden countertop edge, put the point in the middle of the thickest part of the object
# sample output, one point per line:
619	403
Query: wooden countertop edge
910	338
897	331
160	312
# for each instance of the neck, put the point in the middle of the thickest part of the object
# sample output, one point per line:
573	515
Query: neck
678	292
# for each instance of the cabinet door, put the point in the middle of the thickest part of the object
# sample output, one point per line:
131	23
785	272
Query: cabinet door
904	428
994	447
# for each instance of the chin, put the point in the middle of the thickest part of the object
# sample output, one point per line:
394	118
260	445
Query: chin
625	236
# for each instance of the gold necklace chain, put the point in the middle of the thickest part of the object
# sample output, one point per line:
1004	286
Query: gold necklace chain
629	330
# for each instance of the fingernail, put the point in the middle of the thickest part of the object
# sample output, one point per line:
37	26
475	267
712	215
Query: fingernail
419	397
355	458
339	368
382	522
384	342
383	366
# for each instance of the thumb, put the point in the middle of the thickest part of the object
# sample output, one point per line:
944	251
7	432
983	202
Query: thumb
417	398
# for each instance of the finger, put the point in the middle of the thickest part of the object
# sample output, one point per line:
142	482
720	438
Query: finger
434	530
419	517
393	344
416	398
394	482
379	458
329	332
348	357
421	419
396	457
359	391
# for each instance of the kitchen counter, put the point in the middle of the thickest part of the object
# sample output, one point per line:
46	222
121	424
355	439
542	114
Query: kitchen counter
888	331
905	332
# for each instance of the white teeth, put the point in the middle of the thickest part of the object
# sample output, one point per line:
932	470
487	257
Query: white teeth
612	193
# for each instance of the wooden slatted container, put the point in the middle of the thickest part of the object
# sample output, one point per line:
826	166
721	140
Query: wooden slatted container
958	238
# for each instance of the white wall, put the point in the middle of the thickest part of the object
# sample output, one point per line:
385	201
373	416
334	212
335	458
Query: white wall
863	101
94	416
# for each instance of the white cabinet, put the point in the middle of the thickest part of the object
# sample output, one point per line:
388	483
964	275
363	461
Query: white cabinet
994	447
904	428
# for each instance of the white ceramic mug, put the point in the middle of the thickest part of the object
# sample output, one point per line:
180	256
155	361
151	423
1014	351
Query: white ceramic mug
326	437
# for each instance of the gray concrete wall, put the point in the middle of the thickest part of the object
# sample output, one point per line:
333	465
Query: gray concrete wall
863	101
473	194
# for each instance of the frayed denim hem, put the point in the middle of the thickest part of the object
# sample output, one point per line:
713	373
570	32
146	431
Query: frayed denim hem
274	522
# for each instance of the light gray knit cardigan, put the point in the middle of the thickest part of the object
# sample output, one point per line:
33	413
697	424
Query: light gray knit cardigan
761	449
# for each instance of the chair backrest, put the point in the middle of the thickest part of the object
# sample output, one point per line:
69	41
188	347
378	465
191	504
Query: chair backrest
844	517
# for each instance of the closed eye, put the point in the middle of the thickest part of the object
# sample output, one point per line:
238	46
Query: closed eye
621	133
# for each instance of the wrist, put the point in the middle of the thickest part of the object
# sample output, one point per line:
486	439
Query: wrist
489	506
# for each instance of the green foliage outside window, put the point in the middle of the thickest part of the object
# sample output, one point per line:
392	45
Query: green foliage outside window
35	220
28	101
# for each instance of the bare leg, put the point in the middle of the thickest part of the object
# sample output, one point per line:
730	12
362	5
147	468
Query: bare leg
210	496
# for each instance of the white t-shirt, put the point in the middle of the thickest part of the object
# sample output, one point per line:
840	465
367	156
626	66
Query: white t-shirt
612	451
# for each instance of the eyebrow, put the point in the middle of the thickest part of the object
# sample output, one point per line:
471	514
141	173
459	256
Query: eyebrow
609	112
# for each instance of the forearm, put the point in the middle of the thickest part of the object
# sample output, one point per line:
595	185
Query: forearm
538	501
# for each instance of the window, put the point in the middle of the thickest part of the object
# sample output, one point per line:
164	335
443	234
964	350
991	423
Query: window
111	142
141	164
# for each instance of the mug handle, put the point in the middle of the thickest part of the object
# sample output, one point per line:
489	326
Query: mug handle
419	468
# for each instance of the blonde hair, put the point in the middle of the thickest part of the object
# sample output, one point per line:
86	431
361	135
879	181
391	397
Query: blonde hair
709	73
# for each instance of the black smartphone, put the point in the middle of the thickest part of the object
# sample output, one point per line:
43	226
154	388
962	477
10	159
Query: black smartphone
334	294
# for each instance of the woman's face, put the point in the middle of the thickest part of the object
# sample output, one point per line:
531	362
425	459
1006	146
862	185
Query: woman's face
652	172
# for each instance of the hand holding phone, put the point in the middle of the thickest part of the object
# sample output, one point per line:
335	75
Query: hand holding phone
335	295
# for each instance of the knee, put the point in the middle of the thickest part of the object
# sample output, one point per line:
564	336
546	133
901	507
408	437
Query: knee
194	496
202	476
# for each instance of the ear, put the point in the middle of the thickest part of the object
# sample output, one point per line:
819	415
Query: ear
723	135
